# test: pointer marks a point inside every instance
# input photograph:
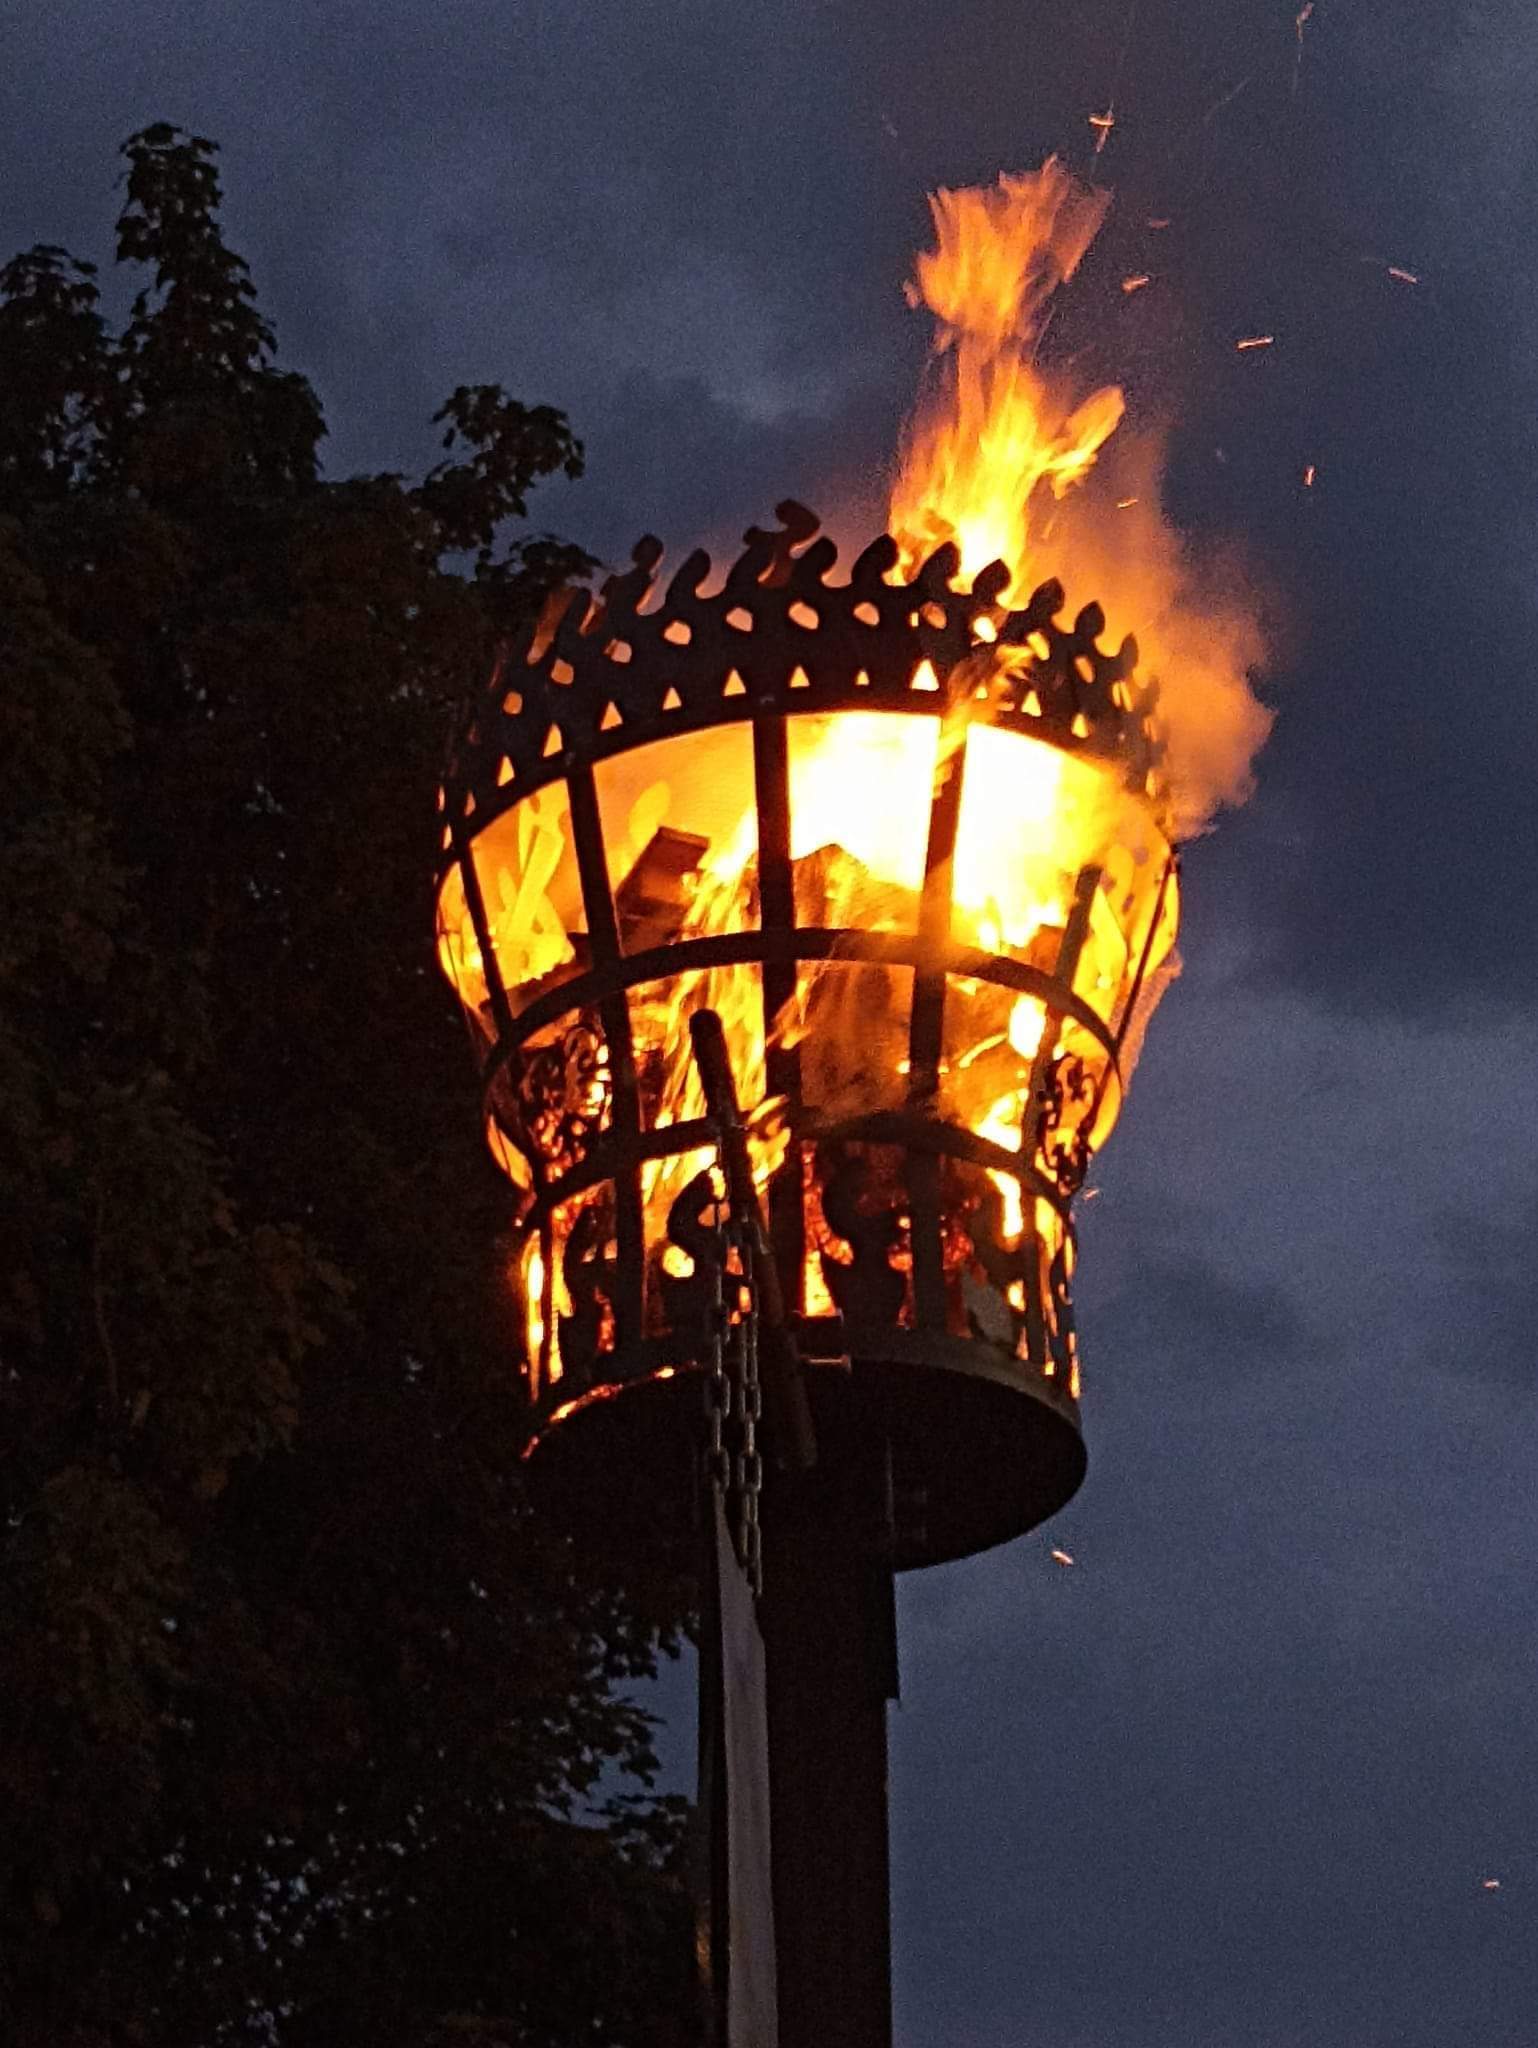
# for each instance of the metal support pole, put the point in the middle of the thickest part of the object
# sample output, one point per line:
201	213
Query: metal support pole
828	1621
796	1945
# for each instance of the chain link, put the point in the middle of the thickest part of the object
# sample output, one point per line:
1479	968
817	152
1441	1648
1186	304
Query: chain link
734	1395
718	1386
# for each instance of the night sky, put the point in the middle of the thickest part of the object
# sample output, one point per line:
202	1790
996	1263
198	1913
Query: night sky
1240	1773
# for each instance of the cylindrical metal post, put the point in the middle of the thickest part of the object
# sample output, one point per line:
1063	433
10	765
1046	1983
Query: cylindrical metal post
830	1658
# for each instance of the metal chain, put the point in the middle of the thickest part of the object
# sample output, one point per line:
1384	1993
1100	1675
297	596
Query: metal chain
718	1386
750	1462
734	1397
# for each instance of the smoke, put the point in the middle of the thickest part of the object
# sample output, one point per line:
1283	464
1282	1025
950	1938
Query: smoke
1195	620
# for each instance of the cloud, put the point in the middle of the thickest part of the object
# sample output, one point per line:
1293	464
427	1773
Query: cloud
1240	1770
1193	1322
1492	1273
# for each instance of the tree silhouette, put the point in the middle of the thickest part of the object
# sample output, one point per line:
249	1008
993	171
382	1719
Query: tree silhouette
307	1730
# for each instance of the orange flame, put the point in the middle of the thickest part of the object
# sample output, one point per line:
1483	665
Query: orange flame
996	429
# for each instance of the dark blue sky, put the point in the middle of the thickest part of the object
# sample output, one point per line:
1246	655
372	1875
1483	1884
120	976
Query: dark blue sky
1238	1773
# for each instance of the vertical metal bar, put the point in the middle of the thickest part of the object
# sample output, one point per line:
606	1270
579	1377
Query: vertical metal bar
1129	1011
776	888
475	903
625	1098
1071	945
782	1063
1171	867
926	1028
502	1015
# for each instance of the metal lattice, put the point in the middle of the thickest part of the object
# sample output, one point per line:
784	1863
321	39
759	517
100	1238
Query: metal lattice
895	1210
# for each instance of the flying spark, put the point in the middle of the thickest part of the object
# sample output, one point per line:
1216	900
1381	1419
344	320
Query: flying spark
1404	276
1156	224
1103	123
1121	506
1062	1557
1300	22
1491	1884
1228	97
1256	341
1135	284
1308	477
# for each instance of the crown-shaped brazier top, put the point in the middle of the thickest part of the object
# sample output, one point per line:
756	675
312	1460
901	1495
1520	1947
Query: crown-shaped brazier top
597	674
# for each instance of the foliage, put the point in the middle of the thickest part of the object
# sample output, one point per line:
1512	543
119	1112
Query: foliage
307	1730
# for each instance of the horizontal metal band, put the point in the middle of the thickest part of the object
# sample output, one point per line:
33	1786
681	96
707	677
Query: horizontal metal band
615	1154
796	943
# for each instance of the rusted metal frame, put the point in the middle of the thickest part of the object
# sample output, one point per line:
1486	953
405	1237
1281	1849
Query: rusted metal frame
926	1024
614	1009
777	912
804	942
1066	966
791	1436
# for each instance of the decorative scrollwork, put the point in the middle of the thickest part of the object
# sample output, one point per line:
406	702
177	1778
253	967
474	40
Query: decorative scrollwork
558	1094
1065	1135
589	1269
1061	1339
867	1287
694	1231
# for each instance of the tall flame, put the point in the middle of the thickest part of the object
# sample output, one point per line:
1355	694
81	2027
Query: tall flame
996	434
996	430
